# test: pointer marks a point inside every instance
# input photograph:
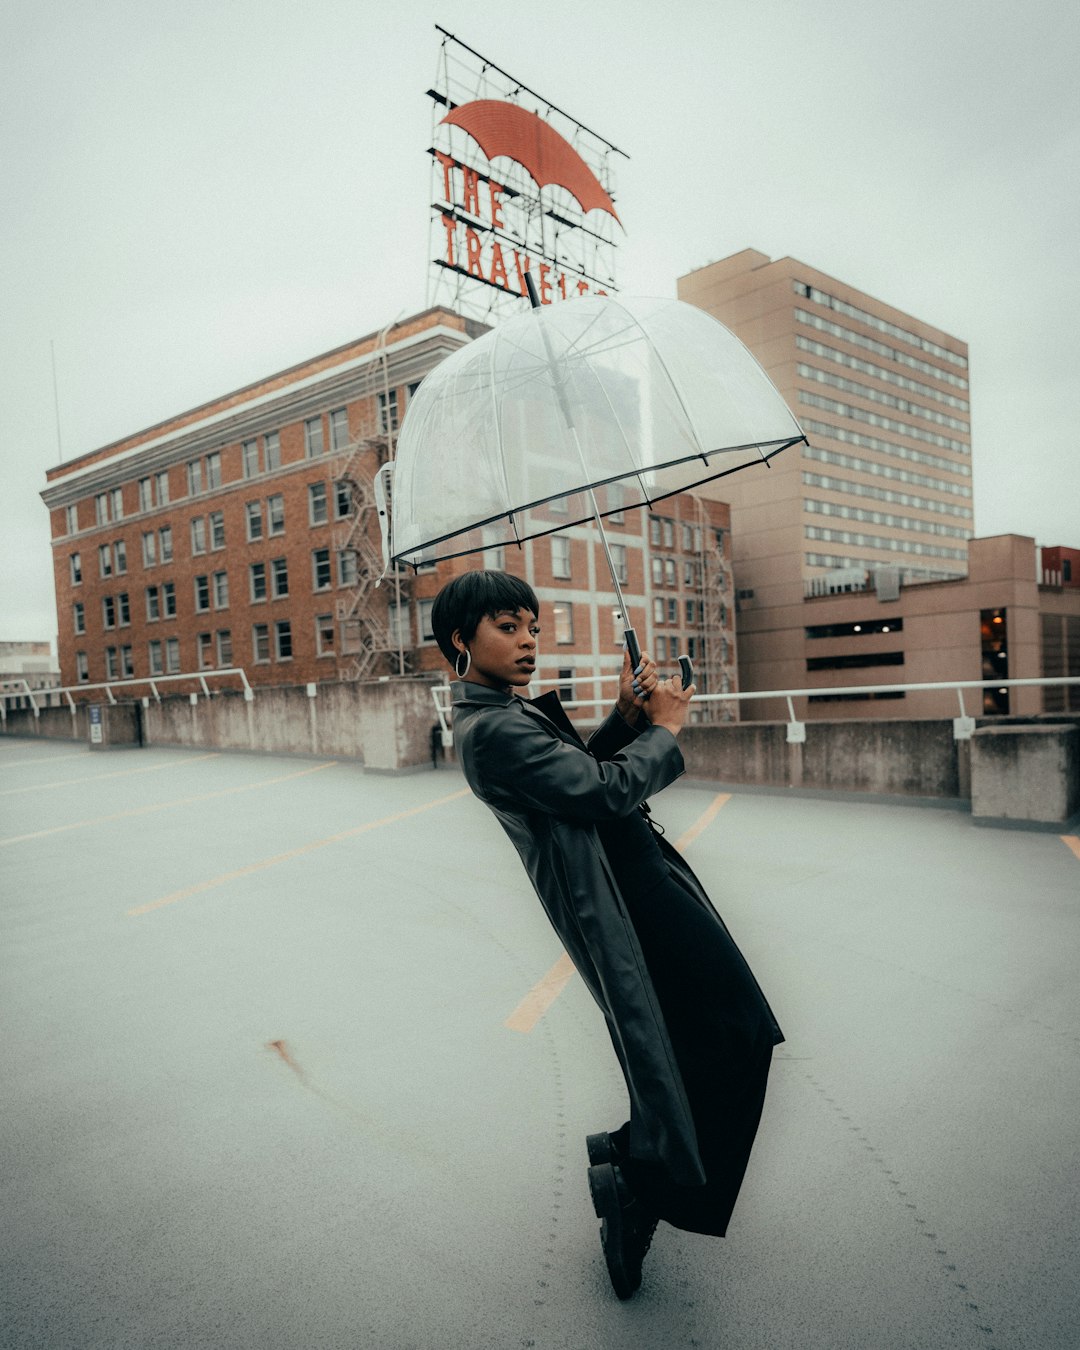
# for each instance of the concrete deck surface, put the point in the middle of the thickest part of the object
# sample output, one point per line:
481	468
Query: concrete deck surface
258	1090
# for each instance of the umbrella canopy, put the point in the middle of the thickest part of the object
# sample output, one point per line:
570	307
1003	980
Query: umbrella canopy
573	411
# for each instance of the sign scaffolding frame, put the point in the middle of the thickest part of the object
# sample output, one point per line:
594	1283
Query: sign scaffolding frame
493	221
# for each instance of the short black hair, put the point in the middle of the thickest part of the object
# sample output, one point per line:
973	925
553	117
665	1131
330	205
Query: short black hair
463	602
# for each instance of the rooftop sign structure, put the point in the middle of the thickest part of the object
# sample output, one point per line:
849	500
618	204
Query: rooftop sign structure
517	185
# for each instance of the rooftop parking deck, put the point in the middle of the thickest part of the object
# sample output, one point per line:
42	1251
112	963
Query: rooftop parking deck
260	1090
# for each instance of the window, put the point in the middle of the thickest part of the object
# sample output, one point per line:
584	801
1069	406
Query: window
194	477
347	569
146	494
249	455
343	499
426	632
172	655
689	611
213	470
313	437
658	610
658	571
654	530
669	533
104	554
855	661
618	628
687	538
339	429
257	574
165	540
272	451
254	515
398	617
168	599
221	590
558	507
279	573
616	499
260	643
563	617
1066	569
217	529
670	575
566	691
672	611
127	663
320	569
224	647
153	604
393	405
71	516
124	609
198	535
283	640
618	558
275	512
560	556
119	549
82	668
76	569
101	509
116	498
78	616
324	634
206	651
317	503
202	594
149	549
161	482
661	647
108	611
157	666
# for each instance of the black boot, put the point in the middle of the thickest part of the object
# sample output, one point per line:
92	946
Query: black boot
626	1227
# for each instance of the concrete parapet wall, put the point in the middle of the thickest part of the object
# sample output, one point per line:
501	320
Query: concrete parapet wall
902	758
1025	774
385	724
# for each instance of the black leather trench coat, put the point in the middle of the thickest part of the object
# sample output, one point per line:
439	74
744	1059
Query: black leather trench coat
527	763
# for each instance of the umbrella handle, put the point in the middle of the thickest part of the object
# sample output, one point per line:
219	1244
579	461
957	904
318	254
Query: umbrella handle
686	671
633	647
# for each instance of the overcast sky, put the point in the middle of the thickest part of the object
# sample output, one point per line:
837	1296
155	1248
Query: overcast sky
197	194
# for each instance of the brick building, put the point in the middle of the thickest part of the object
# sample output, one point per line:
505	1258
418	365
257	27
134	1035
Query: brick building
243	533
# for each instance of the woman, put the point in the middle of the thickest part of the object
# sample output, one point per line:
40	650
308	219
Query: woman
692	1030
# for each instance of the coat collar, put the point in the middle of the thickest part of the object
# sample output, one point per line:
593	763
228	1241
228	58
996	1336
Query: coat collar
547	707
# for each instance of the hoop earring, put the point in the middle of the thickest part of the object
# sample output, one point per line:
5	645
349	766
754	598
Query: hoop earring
457	664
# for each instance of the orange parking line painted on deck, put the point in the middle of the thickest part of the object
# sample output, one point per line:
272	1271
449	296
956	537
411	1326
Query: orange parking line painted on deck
1071	842
544	993
541	996
706	818
288	856
97	777
164	806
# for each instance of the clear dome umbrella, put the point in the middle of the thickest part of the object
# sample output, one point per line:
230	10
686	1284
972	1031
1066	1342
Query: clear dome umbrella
569	412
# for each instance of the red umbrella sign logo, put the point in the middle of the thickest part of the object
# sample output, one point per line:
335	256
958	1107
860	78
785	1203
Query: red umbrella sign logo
508	129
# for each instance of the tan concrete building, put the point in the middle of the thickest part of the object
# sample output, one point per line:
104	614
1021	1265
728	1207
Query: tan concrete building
884	486
1006	620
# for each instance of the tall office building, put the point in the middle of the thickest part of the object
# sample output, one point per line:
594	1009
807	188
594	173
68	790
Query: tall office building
881	496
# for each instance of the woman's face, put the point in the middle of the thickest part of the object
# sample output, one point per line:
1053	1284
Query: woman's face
503	649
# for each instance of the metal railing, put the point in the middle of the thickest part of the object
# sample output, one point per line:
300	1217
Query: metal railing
963	726
109	685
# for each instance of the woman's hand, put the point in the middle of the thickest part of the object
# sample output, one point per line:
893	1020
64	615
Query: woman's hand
669	704
635	686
